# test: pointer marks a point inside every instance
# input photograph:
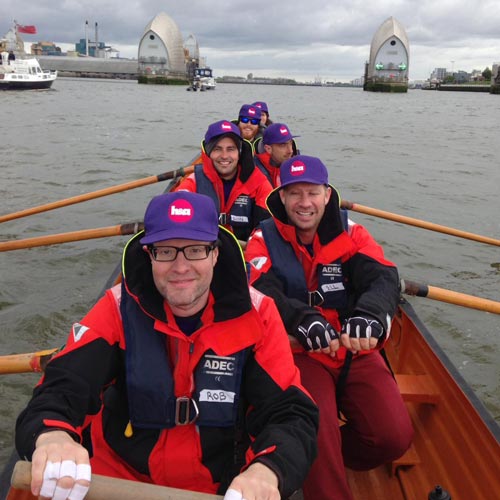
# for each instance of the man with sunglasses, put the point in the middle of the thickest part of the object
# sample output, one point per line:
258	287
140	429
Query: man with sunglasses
228	175
249	123
185	373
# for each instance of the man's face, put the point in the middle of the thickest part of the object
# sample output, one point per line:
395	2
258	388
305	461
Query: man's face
279	152
305	205
248	130
184	284
225	156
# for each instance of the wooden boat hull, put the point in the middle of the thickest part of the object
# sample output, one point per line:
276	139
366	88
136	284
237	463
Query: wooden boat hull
456	443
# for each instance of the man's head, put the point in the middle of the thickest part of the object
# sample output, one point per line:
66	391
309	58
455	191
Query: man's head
249	121
278	142
181	231
264	111
304	192
223	145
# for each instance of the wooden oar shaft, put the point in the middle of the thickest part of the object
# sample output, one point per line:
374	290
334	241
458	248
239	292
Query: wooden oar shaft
109	488
27	362
418	223
84	234
97	194
449	296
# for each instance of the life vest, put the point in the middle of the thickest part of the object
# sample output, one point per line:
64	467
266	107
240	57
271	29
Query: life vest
150	382
264	170
240	214
331	292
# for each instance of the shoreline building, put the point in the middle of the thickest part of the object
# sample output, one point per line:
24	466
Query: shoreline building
161	51
387	68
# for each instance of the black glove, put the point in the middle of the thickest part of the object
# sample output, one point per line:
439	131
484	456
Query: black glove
361	327
315	332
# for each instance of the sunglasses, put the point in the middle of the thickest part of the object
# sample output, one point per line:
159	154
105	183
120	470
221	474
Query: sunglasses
246	119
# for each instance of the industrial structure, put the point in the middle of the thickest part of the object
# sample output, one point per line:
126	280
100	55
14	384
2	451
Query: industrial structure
387	68
161	51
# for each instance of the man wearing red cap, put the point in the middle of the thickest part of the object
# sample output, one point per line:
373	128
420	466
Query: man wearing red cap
185	373
276	146
228	175
337	295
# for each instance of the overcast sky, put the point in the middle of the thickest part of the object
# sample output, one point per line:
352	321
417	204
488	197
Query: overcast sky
302	39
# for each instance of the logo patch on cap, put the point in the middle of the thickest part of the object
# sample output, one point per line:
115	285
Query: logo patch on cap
180	211
297	168
226	126
251	111
284	131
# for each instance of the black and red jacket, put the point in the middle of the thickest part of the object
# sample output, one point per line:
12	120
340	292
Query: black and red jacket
347	263
235	372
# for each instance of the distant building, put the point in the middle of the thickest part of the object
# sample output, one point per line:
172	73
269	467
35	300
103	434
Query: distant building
161	50
45	49
387	68
439	74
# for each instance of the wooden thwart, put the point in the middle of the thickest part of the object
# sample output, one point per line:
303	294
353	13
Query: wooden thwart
109	488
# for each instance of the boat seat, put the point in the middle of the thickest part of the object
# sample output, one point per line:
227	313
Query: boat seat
409	458
417	388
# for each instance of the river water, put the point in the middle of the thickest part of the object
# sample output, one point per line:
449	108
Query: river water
428	155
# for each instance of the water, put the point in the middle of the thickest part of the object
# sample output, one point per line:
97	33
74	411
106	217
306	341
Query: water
429	155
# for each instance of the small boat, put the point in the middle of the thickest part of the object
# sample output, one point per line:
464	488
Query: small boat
22	74
202	80
456	448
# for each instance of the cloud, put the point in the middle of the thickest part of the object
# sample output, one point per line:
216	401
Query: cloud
330	39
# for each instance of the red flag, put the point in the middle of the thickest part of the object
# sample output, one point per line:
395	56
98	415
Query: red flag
26	29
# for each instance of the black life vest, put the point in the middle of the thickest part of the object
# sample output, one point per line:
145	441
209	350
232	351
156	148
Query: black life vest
240	215
150	383
331	292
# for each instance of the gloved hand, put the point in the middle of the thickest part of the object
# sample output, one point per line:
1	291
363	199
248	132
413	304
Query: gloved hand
361	327
363	333
315	332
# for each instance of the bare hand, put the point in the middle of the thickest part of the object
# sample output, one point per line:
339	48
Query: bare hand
60	467
258	482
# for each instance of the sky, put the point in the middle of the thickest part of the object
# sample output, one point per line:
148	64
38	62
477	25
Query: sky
301	39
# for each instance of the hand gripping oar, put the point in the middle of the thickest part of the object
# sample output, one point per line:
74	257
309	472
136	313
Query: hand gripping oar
449	296
84	234
110	488
417	222
99	193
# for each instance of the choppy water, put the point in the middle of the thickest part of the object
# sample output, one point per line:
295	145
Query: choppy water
429	155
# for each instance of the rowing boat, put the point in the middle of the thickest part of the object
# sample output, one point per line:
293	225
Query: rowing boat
456	448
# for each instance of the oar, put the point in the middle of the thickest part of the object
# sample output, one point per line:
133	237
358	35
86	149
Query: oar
449	296
27	362
84	234
110	488
418	223
97	194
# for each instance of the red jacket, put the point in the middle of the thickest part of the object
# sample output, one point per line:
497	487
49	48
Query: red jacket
250	182
89	378
371	282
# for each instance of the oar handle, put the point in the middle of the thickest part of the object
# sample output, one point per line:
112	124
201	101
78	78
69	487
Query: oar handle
27	362
109	488
349	205
449	296
84	234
